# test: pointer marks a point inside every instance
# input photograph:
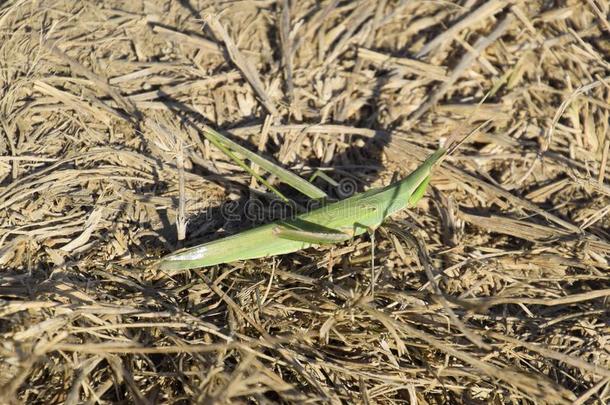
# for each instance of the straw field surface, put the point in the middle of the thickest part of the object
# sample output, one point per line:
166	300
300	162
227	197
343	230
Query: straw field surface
493	289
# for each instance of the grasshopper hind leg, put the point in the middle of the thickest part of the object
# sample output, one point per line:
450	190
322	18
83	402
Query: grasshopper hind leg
373	275
313	237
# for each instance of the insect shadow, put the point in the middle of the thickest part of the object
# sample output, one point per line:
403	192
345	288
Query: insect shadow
351	170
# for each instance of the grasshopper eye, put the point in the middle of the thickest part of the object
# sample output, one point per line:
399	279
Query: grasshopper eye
419	191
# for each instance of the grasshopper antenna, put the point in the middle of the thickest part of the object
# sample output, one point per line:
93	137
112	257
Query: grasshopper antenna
453	143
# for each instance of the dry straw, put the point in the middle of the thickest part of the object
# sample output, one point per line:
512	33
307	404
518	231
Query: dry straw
501	295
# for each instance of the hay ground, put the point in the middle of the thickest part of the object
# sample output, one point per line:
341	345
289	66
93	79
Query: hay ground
493	289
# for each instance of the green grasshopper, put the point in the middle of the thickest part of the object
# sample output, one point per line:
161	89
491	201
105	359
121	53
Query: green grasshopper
333	223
